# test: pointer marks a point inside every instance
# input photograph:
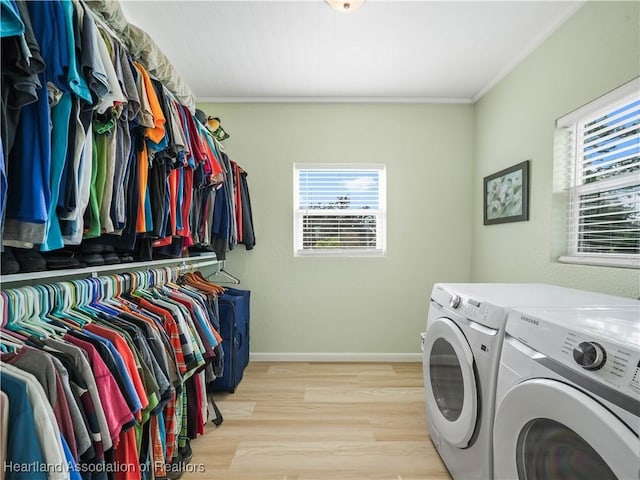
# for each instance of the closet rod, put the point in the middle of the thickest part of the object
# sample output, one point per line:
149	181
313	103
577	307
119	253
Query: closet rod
191	262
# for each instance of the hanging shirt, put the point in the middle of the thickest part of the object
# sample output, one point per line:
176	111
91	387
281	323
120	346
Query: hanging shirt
83	437
40	365
29	195
128	358
25	450
115	407
47	430
76	82
84	367
4	434
10	21
120	373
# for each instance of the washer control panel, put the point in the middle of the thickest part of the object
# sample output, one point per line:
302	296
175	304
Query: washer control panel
484	313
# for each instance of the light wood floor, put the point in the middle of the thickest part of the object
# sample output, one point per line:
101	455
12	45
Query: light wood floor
320	421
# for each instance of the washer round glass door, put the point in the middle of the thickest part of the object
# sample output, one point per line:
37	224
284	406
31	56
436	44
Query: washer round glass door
450	382
547	429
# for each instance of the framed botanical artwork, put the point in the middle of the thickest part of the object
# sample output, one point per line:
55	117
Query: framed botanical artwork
506	195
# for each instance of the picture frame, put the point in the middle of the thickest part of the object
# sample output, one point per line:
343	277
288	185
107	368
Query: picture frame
506	195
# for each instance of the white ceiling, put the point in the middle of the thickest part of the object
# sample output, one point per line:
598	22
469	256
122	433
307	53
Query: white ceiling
386	50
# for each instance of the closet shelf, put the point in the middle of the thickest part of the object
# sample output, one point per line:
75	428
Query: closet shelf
192	262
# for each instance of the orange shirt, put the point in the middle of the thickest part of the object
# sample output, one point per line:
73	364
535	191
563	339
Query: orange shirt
143	177
126	457
171	327
157	133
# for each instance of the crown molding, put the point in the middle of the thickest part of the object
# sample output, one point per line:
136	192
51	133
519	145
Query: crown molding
391	100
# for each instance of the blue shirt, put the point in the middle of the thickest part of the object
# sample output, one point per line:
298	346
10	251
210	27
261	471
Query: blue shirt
60	116
76	82
10	21
23	449
74	473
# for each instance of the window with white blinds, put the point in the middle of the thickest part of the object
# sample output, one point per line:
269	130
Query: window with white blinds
339	209
601	143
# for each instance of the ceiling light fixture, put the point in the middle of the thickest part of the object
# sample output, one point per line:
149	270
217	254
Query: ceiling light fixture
345	6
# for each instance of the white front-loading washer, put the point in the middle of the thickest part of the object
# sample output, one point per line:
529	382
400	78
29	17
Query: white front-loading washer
568	395
461	353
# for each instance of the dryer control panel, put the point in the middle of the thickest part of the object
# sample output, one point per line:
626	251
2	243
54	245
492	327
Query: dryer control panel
591	342
614	364
635	380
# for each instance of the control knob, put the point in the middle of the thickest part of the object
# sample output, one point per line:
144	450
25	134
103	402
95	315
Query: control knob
590	355
455	300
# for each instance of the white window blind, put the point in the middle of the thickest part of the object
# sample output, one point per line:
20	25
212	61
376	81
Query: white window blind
601	143
339	209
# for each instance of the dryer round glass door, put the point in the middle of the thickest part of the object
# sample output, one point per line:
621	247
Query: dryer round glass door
548	429
450	382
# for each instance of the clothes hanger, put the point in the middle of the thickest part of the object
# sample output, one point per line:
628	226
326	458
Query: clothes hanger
142	290
13	308
197	280
23	322
232	279
85	298
4	309
4	332
63	298
82	296
7	337
6	303
174	280
129	285
113	299
40	305
103	294
41	316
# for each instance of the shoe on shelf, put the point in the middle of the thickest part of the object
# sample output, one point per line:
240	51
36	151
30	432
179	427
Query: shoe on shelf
92	259
110	256
62	260
8	263
29	260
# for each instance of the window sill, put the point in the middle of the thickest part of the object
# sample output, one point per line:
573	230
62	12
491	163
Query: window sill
633	263
338	253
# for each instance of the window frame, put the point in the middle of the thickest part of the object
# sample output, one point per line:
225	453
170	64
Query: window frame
576	188
380	213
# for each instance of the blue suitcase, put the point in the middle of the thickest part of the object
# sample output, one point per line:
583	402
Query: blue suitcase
243	311
234	328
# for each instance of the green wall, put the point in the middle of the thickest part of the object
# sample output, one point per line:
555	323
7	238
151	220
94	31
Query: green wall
594	52
436	157
352	305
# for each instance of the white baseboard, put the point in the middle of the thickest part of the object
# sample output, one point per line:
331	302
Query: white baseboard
336	357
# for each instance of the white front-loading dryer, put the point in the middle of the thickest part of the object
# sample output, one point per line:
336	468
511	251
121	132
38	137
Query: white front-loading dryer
461	356
568	395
